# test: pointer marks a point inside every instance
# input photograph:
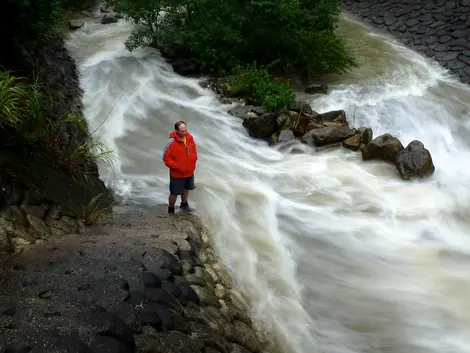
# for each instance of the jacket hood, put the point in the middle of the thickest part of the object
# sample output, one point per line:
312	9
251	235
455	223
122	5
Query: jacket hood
174	135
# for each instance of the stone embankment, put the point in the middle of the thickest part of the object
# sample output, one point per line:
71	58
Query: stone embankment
439	29
143	281
300	124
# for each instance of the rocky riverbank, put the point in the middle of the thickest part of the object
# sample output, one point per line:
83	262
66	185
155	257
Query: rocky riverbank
438	29
143	281
300	124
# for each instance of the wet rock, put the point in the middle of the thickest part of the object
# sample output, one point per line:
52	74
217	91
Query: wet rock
334	116
186	290
36	211
286	136
70	344
366	134
187	261
41	229
174	290
302	107
384	147
6	246
299	124
104	344
32	198
263	126
185	67
327	135
241	111
316	89
206	296
14	214
75	24
415	161
161	296
160	258
353	143
107	19
13	195
163	274
151	280
108	324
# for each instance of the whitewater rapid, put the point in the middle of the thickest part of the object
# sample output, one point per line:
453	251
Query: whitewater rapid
336	255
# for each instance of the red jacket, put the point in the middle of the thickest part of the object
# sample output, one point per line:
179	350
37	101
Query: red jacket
180	158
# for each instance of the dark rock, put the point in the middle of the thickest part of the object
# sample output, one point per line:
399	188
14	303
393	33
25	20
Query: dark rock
163	274
123	284
107	19
171	320
366	134
187	261
147	315
174	290
385	147
104	344
75	24
185	67
47	294
186	290
206	296
32	198
135	297
36	211
302	107
69	344
151	280
6	246
108	324
241	111
160	258
286	136
263	126
13	195
335	116
327	135
316	89
415	161
353	143
161	296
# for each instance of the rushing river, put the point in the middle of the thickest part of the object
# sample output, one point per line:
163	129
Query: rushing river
337	255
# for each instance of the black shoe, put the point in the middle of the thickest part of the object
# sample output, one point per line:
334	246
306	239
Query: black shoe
185	206
171	210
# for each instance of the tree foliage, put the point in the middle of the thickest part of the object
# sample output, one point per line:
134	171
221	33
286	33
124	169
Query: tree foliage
223	34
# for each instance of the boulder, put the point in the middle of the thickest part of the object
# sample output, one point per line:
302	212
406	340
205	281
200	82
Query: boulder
299	124
327	135
107	19
334	116
302	107
384	147
353	143
263	126
366	134
75	24
242	111
414	161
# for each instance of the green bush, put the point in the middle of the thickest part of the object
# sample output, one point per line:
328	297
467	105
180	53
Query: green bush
260	88
25	127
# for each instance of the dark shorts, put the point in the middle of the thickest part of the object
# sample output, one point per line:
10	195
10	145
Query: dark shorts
177	185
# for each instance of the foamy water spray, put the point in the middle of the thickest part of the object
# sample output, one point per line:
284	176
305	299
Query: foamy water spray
336	255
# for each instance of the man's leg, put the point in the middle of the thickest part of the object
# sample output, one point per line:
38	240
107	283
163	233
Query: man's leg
189	185
176	188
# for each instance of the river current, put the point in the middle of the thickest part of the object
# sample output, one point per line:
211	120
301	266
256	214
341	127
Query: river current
337	255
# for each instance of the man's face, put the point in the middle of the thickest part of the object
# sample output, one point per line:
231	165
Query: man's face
181	130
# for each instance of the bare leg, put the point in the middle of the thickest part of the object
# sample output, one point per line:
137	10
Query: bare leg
171	203
184	197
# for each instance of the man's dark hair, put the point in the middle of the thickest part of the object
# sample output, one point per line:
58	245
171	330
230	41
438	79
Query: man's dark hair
178	124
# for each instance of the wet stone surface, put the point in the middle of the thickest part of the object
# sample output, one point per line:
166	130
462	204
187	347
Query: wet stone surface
122	288
439	29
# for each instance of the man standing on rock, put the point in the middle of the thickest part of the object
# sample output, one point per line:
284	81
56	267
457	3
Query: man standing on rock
180	155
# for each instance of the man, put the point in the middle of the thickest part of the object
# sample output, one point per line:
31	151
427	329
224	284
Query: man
180	155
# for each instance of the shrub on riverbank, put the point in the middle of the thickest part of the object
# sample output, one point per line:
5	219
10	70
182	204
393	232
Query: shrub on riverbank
26	128
294	35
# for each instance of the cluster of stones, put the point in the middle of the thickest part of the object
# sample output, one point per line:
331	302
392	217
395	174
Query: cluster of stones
331	129
439	29
107	18
26	219
176	298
